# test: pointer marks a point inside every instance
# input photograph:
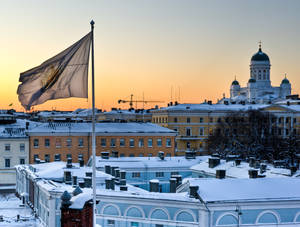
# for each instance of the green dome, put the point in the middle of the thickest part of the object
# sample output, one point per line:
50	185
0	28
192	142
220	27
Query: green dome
260	56
285	81
251	80
235	82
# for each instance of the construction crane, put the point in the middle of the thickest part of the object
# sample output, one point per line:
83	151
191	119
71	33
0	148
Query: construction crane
131	101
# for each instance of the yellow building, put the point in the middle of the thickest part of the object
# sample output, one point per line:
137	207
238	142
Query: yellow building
195	122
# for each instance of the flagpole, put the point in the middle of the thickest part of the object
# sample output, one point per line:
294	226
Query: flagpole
93	129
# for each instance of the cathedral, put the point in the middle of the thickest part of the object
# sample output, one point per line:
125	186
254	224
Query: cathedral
259	88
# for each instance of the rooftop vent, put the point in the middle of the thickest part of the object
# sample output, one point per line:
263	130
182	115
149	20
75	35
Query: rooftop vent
213	162
105	155
220	173
252	173
194	191
69	162
154	185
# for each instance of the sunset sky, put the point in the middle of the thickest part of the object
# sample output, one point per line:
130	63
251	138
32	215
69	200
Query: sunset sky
151	46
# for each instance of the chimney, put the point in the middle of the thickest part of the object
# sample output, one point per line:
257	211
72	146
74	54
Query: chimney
154	185
67	177
74	180
77	191
88	174
161	155
87	182
178	179
173	185
220	173
123	188
69	162
209	102
81	162
112	184
238	162
117	173
194	191
123	175
213	162
293	170
115	154
27	125
252	173
263	168
107	169
107	183
251	162
113	172
81	184
104	155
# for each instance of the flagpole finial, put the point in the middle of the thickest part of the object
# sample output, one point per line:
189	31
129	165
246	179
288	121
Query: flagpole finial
92	24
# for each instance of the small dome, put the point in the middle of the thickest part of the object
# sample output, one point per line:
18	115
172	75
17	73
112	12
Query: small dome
285	81
235	82
260	56
251	80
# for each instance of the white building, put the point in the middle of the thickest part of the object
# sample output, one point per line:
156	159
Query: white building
14	150
259	88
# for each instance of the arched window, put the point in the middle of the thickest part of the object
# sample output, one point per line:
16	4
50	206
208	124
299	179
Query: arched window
269	217
227	219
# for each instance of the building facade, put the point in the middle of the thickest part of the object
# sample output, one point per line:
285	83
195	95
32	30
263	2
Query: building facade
195	122
57	141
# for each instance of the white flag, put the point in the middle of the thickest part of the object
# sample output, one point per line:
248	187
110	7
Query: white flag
62	76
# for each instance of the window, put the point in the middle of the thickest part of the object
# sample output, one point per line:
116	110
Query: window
168	142
22	161
141	155
80	142
150	142
287	131
131	142
122	142
175	120
188	120
122	155
174	173
58	142
111	222
188	132
295	120
7	147
188	145
131	155
279	131
35	157
136	175
159	142
103	142
201	119
7	163
159	174
287	120
201	131
47	142
113	142
69	142
22	147
159	225
211	120
279	120
134	224
47	158
141	142
36	143
57	157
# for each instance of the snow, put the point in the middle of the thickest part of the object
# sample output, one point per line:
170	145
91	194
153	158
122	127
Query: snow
240	171
10	208
259	189
178	162
100	128
79	200
55	170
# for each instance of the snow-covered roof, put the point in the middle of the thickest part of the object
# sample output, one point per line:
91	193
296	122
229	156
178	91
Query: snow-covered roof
178	162
79	201
240	171
213	107
238	190
101	128
14	130
55	170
